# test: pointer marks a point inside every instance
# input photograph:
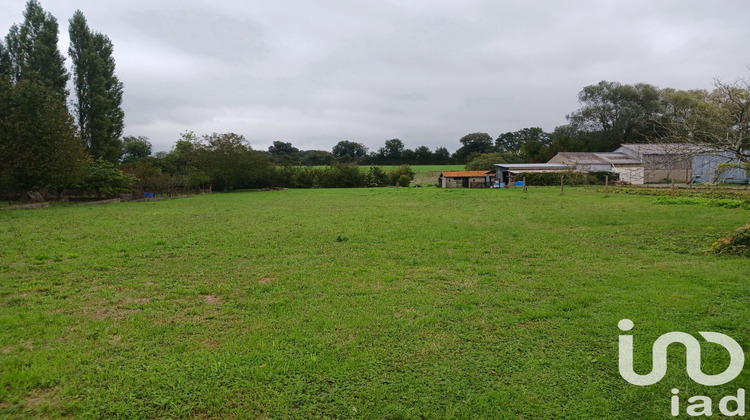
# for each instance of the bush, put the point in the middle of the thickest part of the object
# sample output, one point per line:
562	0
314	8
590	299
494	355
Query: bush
400	174
404	180
728	203
737	244
376	177
716	193
485	161
600	177
106	179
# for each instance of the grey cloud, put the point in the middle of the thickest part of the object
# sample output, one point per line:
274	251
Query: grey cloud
203	33
428	72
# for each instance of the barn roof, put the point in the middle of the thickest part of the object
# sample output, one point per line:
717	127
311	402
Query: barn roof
583	158
667	148
464	174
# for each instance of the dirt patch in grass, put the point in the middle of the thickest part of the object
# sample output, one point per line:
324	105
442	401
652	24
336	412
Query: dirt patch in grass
114	312
267	280
41	398
212	300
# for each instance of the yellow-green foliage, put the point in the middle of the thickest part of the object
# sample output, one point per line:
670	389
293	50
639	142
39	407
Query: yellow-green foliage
737	244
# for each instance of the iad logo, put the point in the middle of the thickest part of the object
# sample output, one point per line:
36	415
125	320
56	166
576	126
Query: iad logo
702	405
693	350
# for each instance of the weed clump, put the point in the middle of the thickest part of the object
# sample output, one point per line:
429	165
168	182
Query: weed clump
737	244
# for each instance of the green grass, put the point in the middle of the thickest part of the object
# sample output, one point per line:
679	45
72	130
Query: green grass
713	202
361	303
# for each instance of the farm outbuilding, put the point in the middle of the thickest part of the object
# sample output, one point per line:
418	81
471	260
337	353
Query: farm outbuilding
506	172
682	162
628	168
465	179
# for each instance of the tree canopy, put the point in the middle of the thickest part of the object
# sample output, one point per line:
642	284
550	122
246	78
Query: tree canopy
98	91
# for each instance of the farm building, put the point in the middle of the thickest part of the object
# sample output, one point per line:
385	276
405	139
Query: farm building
681	162
506	172
465	179
629	168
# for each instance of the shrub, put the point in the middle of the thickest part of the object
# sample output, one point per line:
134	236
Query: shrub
404	180
485	161
376	177
737	244
728	203
106	179
686	192
397	175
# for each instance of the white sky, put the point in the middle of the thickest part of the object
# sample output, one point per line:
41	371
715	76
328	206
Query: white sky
428	72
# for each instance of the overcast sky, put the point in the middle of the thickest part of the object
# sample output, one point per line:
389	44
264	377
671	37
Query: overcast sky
425	71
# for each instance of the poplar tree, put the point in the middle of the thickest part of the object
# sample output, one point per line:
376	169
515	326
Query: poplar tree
38	143
98	91
30	52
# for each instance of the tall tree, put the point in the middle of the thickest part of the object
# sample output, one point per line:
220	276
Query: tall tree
38	144
474	143
620	113
423	155
283	153
135	149
392	152
513	142
30	52
718	120
349	151
98	90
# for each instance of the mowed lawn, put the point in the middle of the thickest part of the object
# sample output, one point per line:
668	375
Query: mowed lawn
361	303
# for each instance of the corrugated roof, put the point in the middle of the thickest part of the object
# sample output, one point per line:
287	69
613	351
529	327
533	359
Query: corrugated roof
584	158
667	148
618	158
459	174
534	166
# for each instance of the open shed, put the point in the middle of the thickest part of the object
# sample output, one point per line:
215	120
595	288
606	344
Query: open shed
506	171
465	179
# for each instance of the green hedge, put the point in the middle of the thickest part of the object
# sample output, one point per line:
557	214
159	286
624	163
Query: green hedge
570	178
338	176
715	193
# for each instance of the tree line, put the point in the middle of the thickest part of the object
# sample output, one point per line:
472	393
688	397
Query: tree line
43	145
612	114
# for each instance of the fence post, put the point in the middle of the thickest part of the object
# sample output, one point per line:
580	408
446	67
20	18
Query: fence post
562	184
606	185
524	184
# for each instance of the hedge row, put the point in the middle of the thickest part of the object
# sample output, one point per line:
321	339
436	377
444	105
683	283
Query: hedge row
338	176
568	177
715	193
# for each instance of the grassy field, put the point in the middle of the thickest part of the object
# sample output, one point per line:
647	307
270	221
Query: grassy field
362	303
416	168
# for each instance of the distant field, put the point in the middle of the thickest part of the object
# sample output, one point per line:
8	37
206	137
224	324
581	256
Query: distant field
417	168
361	303
427	168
